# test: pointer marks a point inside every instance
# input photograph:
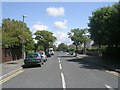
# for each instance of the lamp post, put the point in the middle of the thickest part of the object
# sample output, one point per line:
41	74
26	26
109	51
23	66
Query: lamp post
23	50
24	16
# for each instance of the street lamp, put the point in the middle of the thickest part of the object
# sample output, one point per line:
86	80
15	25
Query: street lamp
24	16
23	50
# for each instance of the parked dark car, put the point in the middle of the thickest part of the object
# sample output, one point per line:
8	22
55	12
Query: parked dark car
71	53
33	59
48	54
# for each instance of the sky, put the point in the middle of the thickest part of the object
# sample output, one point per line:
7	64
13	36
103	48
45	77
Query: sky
57	17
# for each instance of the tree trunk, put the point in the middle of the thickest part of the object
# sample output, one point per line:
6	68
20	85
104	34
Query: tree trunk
116	45
45	48
84	48
99	46
76	50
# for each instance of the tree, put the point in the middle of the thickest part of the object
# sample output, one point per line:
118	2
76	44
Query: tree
13	35
54	47
104	26
62	47
86	38
113	25
97	25
29	46
40	48
78	37
45	38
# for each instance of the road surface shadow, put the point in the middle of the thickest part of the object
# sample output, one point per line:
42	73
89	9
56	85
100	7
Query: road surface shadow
97	63
111	64
65	56
85	64
32	66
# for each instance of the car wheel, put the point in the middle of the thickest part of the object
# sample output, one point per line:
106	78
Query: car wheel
42	63
39	65
45	60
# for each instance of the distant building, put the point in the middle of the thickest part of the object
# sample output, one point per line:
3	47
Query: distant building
88	44
80	47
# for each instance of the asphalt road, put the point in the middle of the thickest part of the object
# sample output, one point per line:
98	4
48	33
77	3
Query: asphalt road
64	71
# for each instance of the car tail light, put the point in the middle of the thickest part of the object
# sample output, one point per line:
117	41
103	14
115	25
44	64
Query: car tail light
38	59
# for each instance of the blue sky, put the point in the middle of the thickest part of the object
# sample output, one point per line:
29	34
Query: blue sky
58	17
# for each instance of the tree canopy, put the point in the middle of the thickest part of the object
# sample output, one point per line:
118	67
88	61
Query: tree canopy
14	35
78	36
45	38
62	47
104	26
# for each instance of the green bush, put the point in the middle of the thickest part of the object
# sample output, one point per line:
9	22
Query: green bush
92	49
112	52
95	51
72	49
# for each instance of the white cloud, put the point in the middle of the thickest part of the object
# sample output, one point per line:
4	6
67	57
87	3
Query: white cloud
38	26
61	25
54	11
62	37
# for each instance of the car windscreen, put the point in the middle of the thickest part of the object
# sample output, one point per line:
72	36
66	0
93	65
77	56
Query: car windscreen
32	55
41	53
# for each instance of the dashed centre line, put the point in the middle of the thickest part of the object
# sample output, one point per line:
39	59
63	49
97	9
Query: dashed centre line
109	87
60	66
63	81
62	76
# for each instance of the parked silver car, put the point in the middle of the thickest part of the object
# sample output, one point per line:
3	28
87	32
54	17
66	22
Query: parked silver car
43	55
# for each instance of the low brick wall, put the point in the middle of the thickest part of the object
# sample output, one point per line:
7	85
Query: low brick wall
10	54
0	55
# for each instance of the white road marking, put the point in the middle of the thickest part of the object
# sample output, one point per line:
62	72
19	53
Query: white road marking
63	81
59	61
60	66
109	87
58	58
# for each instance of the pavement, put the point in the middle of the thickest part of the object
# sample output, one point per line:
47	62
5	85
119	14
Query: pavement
9	68
105	63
